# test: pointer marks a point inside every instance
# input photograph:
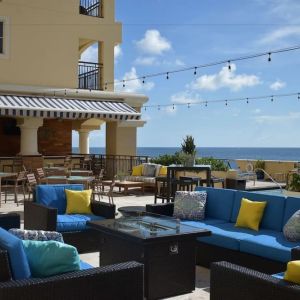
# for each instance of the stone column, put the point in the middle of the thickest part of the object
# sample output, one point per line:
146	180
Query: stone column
84	143
29	135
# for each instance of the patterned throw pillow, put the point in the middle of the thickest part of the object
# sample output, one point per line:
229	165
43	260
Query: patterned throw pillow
291	229
149	170
37	235
190	205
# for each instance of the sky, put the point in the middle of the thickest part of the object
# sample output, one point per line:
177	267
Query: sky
164	35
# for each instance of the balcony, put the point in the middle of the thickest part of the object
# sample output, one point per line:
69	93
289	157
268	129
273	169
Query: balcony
91	8
89	76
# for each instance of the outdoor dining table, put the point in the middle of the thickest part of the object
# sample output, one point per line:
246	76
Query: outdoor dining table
5	175
86	180
171	174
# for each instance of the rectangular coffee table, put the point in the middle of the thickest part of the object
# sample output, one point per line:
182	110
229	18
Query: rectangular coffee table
166	247
125	185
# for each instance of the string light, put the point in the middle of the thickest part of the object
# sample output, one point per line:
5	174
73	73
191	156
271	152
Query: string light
226	101
269	58
105	86
65	92
229	66
143	80
189	105
167	75
195	71
123	83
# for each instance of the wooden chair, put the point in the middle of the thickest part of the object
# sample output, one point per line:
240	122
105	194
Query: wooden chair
31	184
41	176
15	184
100	192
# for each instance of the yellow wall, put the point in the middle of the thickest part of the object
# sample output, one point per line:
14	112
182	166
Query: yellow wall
44	40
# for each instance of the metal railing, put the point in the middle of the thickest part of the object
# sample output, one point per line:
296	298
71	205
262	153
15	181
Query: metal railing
89	75
270	177
91	8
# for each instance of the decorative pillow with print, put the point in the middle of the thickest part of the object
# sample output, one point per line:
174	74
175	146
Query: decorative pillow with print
190	205
291	229
37	235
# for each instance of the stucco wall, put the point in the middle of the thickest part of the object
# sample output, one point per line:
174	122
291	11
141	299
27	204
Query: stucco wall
44	38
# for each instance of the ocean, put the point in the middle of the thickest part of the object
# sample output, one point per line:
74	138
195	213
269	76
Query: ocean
219	152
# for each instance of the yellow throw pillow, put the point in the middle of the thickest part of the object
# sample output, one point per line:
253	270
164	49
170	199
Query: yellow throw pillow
163	171
250	214
78	202
293	271
137	170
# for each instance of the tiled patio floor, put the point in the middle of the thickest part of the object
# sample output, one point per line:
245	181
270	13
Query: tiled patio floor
134	198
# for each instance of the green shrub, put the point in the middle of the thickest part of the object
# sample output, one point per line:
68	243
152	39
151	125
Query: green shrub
294	182
168	159
188	145
216	164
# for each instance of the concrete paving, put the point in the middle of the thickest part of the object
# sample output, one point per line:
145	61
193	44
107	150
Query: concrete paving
134	198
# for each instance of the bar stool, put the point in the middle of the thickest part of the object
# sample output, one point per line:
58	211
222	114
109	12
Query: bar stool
160	189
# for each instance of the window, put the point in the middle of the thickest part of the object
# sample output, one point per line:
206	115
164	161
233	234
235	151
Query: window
1	37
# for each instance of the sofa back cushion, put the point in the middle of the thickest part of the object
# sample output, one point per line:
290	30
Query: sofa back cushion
53	195
17	257
273	214
292	204
149	170
219	202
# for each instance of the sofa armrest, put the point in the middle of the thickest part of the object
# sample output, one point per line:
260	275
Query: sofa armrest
103	209
39	217
229	281
165	209
5	272
296	253
121	281
8	221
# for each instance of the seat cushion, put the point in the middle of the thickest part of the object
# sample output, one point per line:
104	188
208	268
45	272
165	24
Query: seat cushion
273	214
48	258
135	178
17	256
53	195
292	204
219	202
74	222
85	266
269	244
37	235
203	223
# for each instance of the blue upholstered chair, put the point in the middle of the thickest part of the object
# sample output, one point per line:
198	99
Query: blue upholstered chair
48	212
17	281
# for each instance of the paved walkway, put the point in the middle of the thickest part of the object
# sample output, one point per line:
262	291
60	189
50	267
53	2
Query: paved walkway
134	198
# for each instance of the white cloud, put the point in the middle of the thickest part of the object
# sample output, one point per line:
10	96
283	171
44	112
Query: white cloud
118	52
90	54
280	34
146	61
277	85
133	86
256	111
225	79
185	98
271	119
179	63
153	43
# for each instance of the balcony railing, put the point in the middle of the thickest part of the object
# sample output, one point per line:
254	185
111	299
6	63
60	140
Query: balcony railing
89	76
91	8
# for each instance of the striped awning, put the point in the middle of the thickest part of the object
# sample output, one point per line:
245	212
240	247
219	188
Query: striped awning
50	107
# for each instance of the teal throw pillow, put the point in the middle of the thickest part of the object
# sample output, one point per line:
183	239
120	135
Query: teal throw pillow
48	258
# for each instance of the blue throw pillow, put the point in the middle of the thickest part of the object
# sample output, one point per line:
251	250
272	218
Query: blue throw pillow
17	257
51	258
53	195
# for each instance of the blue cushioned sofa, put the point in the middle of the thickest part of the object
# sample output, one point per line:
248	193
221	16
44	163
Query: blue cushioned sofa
16	281
48	212
264	250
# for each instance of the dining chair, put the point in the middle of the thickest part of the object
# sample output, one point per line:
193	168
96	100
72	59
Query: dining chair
100	192
31	184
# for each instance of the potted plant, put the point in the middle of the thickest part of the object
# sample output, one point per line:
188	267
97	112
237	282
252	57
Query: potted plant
188	149
259	166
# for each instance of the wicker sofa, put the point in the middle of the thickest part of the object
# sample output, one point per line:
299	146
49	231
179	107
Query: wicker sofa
149	181
47	212
88	283
232	282
266	250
